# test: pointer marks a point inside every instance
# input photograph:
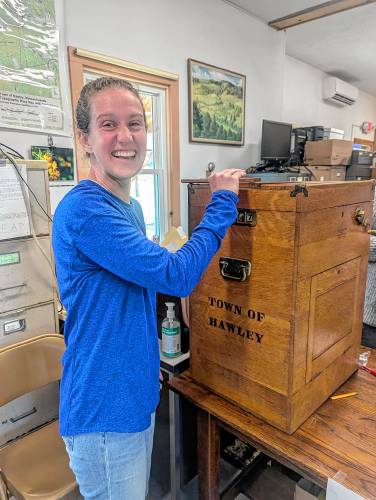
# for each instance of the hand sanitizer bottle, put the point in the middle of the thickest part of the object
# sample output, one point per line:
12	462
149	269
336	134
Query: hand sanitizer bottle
171	345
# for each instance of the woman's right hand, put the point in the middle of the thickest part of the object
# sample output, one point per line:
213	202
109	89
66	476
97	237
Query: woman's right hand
227	179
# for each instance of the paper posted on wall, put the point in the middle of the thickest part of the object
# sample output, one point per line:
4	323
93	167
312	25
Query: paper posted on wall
174	239
14	219
30	81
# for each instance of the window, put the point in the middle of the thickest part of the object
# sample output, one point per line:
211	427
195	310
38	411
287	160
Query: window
157	185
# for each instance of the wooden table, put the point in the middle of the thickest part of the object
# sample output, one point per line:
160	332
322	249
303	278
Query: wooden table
338	441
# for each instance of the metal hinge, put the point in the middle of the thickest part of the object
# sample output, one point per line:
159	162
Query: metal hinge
299	188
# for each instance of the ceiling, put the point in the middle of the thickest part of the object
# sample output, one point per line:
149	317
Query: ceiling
342	45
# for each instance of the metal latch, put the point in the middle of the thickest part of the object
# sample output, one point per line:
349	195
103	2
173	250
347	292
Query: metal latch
246	217
299	188
360	218
234	269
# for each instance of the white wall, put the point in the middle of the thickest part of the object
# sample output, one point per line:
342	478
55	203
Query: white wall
304	106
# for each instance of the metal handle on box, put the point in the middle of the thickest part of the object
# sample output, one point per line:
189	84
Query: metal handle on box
234	269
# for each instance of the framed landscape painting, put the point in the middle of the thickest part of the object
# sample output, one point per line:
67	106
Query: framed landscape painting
216	104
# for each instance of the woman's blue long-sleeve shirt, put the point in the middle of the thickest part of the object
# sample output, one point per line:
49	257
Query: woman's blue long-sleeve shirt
108	273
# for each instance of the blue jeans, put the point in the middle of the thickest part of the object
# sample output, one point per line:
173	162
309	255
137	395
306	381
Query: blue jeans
111	465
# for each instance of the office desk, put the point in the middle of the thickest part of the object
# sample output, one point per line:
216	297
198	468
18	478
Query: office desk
338	441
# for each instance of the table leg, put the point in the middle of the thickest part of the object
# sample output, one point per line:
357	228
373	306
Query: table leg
175	443
208	444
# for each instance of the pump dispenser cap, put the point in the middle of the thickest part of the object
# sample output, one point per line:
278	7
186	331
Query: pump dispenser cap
170	310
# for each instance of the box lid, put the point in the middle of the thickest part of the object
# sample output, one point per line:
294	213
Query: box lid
297	197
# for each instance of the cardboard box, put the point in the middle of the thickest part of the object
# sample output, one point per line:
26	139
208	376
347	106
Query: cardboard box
328	172
328	152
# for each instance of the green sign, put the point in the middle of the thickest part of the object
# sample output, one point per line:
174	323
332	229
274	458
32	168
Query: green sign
9	258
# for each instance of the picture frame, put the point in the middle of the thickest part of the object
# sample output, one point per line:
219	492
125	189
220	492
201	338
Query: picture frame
216	104
60	163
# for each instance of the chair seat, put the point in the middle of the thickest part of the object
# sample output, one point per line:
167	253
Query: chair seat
37	466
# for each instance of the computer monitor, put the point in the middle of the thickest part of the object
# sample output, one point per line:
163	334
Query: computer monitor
275	140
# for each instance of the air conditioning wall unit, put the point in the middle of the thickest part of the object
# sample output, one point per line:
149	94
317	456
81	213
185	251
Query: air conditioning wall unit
338	91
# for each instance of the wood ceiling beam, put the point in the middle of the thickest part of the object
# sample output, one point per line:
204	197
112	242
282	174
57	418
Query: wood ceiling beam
316	12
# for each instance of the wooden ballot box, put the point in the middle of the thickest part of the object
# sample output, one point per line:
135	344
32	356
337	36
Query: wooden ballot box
275	322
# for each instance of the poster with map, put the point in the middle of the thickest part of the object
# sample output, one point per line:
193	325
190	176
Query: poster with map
30	95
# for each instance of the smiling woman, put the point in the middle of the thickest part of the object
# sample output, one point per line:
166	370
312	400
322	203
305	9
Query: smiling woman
108	274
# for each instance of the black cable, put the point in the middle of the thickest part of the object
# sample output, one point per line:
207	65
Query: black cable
59	309
310	172
23	180
14	151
